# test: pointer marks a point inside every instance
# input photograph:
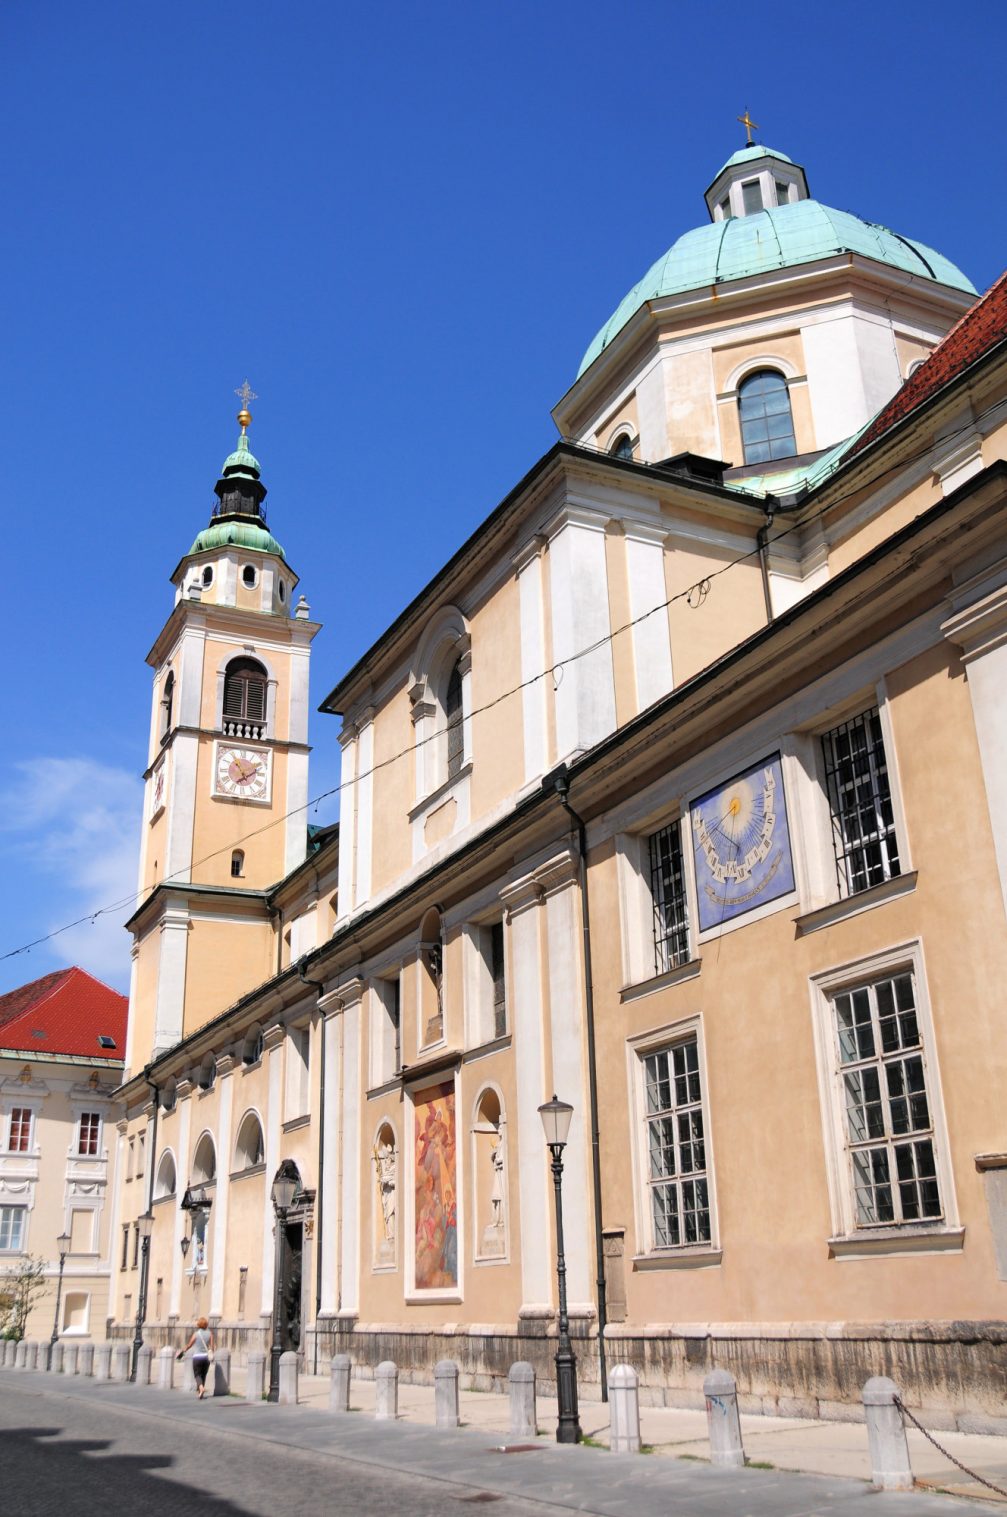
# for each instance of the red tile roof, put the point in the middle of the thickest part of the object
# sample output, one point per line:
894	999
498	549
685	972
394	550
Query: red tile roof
65	1012
979	330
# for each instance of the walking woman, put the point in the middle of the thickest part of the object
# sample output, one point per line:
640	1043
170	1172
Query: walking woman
201	1344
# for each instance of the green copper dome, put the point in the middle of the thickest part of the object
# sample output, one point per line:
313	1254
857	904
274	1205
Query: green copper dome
242	460
777	238
234	532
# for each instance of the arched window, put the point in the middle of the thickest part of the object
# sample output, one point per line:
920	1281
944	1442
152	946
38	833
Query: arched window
167	699
623	447
207	1073
164	1181
767	426
251	1051
204	1163
237	864
250	1150
244	698
490	1176
453	714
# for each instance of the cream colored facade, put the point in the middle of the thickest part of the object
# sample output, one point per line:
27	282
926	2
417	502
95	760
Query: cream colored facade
52	1187
625	646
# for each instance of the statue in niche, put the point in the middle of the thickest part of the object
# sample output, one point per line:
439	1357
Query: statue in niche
385	1166
494	1239
435	964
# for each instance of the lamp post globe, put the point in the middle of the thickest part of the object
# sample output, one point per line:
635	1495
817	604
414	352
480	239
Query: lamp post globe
556	1117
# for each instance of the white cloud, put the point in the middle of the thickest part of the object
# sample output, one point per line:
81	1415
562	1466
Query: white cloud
70	829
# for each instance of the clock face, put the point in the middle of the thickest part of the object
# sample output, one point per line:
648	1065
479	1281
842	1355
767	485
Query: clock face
243	773
159	783
741	844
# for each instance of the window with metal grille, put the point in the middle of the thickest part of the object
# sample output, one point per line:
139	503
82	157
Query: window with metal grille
19	1137
860	800
12	1228
889	1124
499	972
767	426
88	1133
453	714
677	1178
245	691
667	885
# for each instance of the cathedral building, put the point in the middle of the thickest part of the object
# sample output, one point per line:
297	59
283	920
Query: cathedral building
654	798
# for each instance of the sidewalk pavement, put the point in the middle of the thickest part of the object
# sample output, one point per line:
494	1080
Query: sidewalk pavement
475	1464
797	1444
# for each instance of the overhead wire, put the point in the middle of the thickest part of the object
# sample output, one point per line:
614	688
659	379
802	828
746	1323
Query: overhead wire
694	595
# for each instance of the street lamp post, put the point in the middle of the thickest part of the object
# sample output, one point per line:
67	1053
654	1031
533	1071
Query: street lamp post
556	1117
283	1189
62	1243
145	1224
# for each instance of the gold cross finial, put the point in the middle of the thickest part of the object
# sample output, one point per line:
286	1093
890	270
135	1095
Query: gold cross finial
245	394
749	125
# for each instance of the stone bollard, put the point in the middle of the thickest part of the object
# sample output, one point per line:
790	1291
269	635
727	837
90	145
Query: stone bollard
255	1375
339	1383
20	1354
56	1358
288	1379
722	1419
102	1360
119	1367
886	1436
143	1362
188	1376
31	1355
624	1407
85	1359
9	1352
70	1358
446	1394
523	1413
220	1373
166	1369
386	1392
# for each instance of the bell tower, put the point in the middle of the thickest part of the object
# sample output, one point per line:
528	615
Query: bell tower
227	767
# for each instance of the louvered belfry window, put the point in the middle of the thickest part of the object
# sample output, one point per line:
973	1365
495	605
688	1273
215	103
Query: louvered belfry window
245	693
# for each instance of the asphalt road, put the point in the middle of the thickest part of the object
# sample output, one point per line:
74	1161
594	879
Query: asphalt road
64	1457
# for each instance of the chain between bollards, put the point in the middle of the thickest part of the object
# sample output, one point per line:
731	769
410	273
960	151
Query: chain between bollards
981	1479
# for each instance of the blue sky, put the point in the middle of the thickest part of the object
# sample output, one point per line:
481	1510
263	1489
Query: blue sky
404	223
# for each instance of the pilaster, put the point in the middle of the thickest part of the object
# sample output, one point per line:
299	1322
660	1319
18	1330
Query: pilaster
221	1200
272	1052
648	611
581	627
534	693
183	1102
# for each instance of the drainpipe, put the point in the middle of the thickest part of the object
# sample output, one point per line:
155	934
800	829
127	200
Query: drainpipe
561	784
762	539
152	1159
320	1188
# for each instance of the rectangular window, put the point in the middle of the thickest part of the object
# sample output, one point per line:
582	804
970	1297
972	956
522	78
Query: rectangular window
860	801
386	1031
725	208
136	1245
88	1134
667	885
751	194
131	1159
888	1122
125	1246
782	193
19	1137
498	971
677	1179
12	1219
141	1148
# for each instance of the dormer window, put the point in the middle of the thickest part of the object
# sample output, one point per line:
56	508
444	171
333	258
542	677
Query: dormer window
623	446
767	426
725	208
782	193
